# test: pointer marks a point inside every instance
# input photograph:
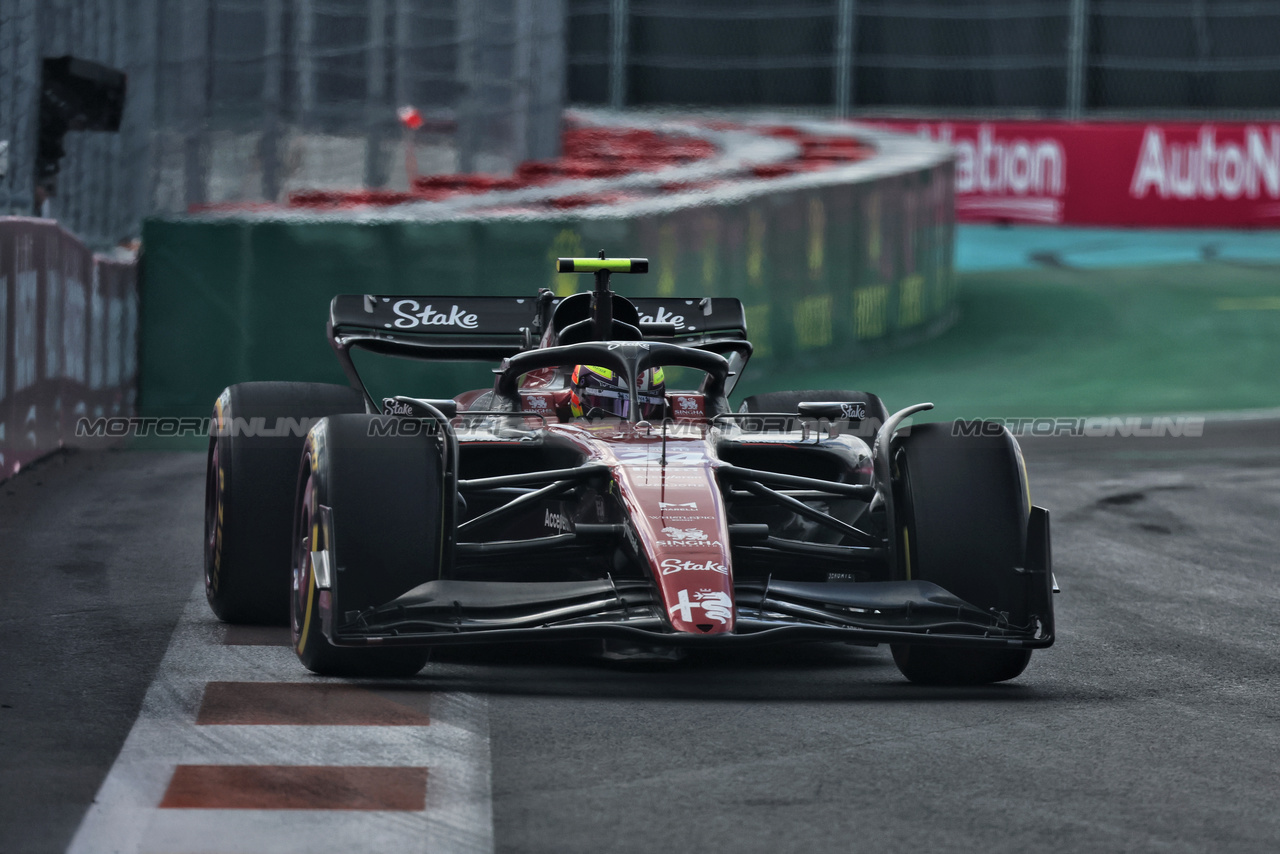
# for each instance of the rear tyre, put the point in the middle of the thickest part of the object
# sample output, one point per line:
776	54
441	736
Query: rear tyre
250	482
962	508
789	401
382	531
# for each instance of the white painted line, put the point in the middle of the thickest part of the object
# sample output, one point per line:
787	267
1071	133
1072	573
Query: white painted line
124	818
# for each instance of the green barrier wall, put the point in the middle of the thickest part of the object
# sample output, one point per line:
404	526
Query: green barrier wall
827	269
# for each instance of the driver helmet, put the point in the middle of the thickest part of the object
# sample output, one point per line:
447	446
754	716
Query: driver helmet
592	387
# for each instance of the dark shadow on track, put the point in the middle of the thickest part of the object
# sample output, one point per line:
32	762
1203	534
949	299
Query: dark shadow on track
789	674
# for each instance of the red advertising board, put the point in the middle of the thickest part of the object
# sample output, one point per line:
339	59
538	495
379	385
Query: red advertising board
1112	173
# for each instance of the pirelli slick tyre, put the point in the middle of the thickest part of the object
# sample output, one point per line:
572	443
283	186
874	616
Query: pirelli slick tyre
371	504
789	401
962	507
249	492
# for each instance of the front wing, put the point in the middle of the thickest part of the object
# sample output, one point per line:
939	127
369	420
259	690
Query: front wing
915	612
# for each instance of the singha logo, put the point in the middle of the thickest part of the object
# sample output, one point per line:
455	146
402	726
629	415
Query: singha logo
684	534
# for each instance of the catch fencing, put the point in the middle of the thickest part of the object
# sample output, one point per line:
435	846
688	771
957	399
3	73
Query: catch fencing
68	338
247	100
1059	58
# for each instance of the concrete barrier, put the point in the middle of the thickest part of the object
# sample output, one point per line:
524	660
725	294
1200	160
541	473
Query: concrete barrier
68	338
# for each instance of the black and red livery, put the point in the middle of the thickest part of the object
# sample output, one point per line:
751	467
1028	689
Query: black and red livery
383	528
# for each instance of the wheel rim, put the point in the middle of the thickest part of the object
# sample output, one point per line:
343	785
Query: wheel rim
301	564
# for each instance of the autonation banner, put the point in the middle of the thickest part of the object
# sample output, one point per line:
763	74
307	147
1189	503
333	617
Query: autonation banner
68	338
1112	173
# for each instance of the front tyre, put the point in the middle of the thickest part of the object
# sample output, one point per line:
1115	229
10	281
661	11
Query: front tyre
963	507
372	504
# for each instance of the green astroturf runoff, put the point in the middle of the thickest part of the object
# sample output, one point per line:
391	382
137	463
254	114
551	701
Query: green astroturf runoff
1047	332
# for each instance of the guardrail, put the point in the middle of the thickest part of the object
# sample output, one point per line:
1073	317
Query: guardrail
832	256
68	338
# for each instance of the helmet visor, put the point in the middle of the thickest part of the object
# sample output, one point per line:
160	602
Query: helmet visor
605	391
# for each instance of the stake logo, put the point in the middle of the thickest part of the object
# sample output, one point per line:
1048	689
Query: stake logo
673	565
410	317
664	316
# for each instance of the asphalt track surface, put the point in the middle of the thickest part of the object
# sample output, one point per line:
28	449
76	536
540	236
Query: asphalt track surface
1152	725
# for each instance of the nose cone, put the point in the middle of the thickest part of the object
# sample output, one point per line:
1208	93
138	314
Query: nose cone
681	531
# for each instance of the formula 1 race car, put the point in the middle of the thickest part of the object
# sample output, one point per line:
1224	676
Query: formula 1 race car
586	497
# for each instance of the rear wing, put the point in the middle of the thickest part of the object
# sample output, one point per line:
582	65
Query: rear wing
463	328
457	329
490	329
708	317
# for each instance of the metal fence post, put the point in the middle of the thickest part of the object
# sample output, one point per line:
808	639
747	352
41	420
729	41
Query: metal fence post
547	78
1078	59
846	13
138	59
304	41
375	104
197	77
401	33
620	21
1201	87
156	117
272	93
19	100
119	171
523	13
103	187
467	112
26	79
7	104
